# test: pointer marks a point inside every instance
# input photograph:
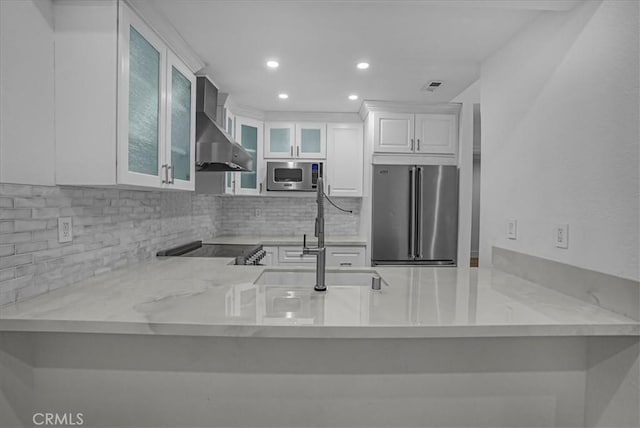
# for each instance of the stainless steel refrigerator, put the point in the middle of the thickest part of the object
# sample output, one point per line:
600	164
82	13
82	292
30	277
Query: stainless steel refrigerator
415	214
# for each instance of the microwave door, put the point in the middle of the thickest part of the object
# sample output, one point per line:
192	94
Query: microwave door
287	175
287	178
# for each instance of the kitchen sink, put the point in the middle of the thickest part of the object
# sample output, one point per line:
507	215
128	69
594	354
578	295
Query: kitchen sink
299	277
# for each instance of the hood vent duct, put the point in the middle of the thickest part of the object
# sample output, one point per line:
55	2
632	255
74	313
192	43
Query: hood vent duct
215	148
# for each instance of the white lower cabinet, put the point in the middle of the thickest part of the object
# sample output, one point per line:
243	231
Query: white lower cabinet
271	256
345	256
293	255
337	256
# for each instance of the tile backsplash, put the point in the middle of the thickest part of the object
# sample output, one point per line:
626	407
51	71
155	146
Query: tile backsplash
288	216
111	228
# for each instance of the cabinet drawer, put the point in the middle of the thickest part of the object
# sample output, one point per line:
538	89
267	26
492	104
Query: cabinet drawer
294	255
345	256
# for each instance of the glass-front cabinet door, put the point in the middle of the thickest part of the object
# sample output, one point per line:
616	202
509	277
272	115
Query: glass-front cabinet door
279	140
156	110
180	154
230	177
141	106
311	141
249	134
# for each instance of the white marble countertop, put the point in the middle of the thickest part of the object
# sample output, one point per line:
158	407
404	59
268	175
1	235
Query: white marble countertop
271	240
209	297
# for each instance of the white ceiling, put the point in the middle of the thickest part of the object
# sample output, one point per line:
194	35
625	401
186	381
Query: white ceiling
318	44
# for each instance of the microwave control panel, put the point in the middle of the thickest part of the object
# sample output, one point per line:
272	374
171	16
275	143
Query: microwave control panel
316	171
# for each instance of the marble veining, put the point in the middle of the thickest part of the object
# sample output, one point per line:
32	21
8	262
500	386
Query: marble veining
208	296
618	294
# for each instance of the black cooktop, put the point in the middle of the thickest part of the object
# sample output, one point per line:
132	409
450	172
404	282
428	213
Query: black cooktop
244	254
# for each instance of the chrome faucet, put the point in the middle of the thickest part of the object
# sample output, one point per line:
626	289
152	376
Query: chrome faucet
320	251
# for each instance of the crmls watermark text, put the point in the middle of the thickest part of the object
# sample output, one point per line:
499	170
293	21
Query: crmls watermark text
58	419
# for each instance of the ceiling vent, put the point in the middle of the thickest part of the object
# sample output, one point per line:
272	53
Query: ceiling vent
432	86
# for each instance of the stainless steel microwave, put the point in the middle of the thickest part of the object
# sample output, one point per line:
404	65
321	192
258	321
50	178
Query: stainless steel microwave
294	176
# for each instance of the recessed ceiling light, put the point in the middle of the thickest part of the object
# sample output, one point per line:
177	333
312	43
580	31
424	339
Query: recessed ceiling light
353	97
272	63
283	96
363	65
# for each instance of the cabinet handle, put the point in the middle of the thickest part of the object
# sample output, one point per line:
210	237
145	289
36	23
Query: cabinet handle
165	180
418	144
345	263
291	151
329	189
412	144
298	151
169	167
260	191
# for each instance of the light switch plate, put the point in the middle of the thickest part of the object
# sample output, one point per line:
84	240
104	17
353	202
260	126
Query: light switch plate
65	229
512	228
561	235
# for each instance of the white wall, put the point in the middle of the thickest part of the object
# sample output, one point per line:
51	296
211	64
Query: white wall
560	138
468	98
26	92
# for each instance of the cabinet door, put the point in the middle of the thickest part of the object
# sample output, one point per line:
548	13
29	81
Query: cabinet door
311	141
394	132
344	159
249	134
230	178
181	94
278	140
271	256
141	107
436	133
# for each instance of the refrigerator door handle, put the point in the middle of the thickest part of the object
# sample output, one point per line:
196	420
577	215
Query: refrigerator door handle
419	210
412	212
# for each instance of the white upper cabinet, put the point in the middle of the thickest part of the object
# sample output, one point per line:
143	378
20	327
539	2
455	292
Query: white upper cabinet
181	129
288	140
133	122
436	133
394	132
249	134
230	177
156	110
427	133
311	141
344	167
141	107
279	140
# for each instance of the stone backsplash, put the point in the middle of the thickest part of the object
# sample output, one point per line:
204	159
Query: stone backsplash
111	229
288	216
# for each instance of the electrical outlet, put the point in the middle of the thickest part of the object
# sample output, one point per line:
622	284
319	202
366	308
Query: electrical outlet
561	235
65	229
512	228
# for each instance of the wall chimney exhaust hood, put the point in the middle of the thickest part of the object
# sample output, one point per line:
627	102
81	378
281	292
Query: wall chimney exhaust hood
215	148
